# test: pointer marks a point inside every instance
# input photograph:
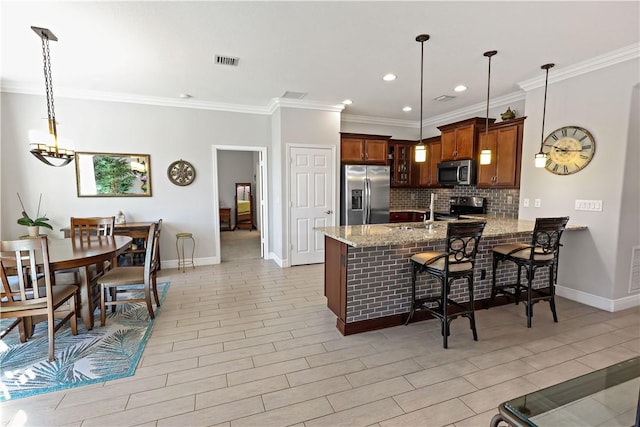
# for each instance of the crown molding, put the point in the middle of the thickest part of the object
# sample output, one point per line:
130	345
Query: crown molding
460	114
369	120
302	104
465	113
611	58
92	95
614	57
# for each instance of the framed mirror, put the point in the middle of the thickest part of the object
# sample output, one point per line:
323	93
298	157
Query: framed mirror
113	175
244	206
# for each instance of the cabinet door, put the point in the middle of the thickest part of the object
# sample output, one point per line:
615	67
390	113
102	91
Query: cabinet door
506	157
448	141
352	150
435	151
400	217
375	151
464	142
486	173
401	165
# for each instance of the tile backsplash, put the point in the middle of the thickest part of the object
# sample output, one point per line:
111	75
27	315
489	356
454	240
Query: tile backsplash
418	198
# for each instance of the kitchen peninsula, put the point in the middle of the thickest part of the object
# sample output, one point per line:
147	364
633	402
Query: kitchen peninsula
368	272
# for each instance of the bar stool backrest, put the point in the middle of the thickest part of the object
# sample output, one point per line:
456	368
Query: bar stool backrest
463	239
546	236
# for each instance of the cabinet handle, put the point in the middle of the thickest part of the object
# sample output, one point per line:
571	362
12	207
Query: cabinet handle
328	212
366	155
362	156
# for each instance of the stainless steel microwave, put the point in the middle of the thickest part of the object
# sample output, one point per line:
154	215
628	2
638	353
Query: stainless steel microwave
457	172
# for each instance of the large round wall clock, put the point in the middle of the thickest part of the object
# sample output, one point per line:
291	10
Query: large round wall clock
181	172
568	150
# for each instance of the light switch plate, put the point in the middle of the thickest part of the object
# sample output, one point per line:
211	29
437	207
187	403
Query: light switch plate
525	203
589	205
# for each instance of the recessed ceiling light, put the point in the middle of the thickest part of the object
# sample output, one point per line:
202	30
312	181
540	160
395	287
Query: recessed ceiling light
407	108
460	88
347	102
389	77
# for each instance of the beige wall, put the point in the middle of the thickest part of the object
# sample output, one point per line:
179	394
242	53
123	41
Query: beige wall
594	265
166	133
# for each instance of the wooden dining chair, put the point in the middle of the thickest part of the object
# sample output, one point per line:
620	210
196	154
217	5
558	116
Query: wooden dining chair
30	291
100	226
118	278
83	228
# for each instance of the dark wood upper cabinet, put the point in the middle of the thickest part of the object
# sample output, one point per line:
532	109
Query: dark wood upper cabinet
505	142
459	140
364	149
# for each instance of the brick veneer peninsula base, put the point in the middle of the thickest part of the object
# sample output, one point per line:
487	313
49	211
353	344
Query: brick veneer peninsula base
369	287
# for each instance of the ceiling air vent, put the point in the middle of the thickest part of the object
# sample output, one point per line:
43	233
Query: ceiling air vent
443	98
226	60
294	95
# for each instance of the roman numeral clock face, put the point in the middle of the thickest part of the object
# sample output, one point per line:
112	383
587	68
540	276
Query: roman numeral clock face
568	149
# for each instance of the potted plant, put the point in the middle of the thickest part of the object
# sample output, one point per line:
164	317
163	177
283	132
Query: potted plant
33	225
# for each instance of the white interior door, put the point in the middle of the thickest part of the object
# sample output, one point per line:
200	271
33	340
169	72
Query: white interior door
312	202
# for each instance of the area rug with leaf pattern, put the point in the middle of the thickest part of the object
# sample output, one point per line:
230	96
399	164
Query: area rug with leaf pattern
101	354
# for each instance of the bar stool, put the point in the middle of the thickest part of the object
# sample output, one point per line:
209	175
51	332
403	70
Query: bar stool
456	262
180	239
543	251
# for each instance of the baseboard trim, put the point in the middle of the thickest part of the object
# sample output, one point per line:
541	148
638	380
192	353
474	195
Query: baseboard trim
598	301
277	260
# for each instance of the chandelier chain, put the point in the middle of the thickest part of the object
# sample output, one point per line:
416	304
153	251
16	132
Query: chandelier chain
48	81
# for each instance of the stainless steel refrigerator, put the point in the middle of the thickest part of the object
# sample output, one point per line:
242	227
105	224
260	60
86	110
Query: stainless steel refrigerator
364	196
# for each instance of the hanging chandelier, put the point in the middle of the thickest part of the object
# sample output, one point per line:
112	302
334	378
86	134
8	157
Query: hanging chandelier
421	150
46	149
485	154
541	158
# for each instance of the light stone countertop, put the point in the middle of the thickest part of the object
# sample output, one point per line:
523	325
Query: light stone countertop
360	236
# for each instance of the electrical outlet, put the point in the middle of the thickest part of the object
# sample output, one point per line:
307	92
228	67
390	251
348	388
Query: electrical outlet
435	197
509	200
538	203
413	196
525	203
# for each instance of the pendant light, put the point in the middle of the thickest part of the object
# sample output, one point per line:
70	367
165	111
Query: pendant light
485	155
541	158
421	150
46	149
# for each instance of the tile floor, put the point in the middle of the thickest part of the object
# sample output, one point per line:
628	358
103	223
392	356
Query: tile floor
247	343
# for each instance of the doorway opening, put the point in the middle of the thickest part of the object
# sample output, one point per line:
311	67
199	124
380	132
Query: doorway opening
240	203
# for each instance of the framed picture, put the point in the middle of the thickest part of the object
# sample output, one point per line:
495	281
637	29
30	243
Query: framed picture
113	175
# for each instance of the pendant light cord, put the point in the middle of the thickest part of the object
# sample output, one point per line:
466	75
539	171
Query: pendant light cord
544	105
421	85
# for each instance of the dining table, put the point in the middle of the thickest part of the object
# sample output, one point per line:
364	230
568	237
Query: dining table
79	254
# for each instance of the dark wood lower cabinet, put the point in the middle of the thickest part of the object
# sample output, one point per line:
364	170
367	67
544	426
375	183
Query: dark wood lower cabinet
406	216
335	279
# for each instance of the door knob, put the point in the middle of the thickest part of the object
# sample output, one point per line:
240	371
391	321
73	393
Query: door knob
328	212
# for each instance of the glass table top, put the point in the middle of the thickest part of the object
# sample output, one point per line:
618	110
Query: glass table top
606	397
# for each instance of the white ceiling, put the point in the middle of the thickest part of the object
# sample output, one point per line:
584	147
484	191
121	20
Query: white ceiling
329	50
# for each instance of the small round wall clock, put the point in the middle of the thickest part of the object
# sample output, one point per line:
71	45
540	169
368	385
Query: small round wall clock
181	172
568	149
